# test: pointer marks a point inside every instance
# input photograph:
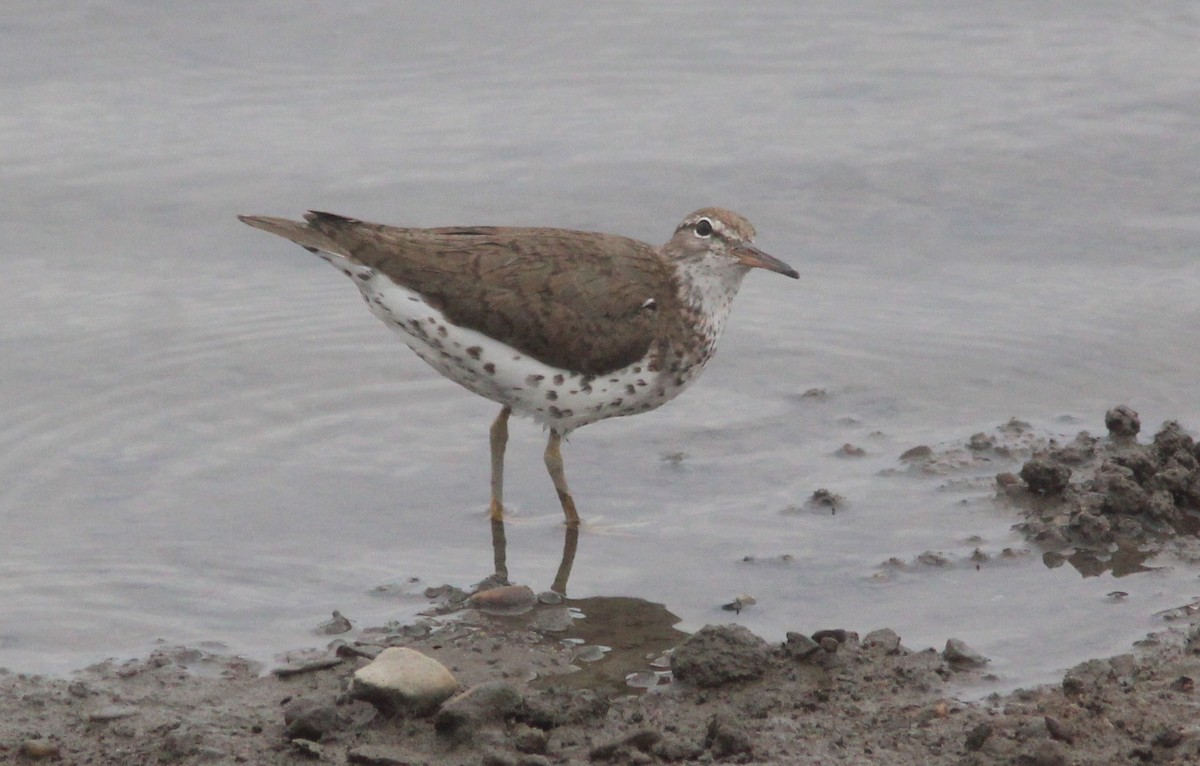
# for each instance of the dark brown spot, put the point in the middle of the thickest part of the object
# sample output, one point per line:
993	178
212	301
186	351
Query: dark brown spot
442	330
616	403
641	382
555	412
431	320
534	380
489	368
614	380
637	370
552	395
630	390
347	272
474	352
679	380
414	300
558	380
364	277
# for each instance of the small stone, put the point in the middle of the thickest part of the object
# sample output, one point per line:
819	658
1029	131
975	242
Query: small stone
823	498
555	620
1045	754
490	701
402	680
527	739
1122	422
740	602
337	625
720	654
1059	730
377	755
111	713
799	645
309	718
550	598
850	450
505	600
977	736
38	749
959	654
1168	738
637	742
726	738
308	748
590	653
885	640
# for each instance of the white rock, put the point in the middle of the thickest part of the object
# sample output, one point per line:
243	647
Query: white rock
402	680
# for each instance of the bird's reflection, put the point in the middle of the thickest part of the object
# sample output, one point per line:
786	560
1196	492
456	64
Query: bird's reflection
500	555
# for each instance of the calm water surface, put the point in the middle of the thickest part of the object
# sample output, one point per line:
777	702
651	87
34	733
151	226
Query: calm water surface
205	437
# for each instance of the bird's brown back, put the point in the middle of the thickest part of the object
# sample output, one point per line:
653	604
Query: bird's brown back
580	301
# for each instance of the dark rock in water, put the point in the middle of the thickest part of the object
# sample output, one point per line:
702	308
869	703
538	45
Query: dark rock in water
720	654
726	738
309	718
1044	476
920	452
1122	422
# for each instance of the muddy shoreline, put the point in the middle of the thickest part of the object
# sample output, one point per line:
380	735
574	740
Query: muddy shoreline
538	679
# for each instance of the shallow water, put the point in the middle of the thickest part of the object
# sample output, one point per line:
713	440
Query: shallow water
205	437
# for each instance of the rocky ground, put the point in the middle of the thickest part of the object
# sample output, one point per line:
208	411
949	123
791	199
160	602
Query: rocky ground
510	677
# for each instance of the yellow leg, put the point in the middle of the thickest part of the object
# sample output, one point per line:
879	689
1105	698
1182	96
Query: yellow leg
570	543
500	549
554	464
499	440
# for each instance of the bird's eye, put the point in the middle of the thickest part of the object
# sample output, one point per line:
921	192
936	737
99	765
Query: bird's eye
703	227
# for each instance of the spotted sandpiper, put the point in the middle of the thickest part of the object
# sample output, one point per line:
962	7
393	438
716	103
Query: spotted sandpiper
568	327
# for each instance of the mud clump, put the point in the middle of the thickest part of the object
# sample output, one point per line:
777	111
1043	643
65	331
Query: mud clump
720	654
1098	492
1045	476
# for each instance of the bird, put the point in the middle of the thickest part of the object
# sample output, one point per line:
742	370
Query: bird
567	327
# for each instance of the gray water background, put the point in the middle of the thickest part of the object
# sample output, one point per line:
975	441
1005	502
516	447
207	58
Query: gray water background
204	437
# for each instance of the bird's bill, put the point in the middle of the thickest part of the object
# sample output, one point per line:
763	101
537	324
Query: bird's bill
751	256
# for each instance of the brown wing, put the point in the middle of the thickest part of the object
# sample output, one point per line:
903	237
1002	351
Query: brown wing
575	300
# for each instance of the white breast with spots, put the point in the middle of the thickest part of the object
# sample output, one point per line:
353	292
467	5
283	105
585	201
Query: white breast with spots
557	398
